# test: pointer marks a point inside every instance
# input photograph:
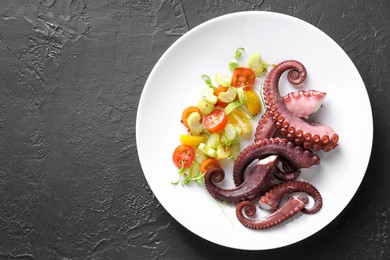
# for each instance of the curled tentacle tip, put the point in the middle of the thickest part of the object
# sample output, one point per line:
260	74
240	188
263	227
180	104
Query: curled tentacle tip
296	77
248	207
304	199
293	75
216	174
250	211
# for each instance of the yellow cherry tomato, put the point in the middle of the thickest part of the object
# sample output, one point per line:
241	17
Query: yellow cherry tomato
253	103
192	140
239	118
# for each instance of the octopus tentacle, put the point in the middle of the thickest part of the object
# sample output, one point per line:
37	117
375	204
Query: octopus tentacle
287	176
272	198
301	103
304	103
287	173
265	128
296	156
257	182
310	136
289	209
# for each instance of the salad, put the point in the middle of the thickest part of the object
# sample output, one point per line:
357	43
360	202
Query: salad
219	121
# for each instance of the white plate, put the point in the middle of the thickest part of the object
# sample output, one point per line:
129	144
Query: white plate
175	83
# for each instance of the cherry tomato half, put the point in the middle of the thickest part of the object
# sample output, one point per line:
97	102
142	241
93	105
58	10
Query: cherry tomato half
183	156
243	77
215	121
252	102
187	112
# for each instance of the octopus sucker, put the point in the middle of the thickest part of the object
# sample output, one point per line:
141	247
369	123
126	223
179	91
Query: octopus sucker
298	134
298	141
284	149
307	145
325	139
335	138
296	75
289	209
272	198
258	181
283	131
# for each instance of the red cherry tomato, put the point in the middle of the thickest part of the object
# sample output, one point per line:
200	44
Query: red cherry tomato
243	77
215	121
183	156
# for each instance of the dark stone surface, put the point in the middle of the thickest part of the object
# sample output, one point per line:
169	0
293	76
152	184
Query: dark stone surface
71	74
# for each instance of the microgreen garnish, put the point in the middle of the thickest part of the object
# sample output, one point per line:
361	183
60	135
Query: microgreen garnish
207	80
234	62
185	179
180	172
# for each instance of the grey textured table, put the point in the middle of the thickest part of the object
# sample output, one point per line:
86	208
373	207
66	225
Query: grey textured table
71	74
